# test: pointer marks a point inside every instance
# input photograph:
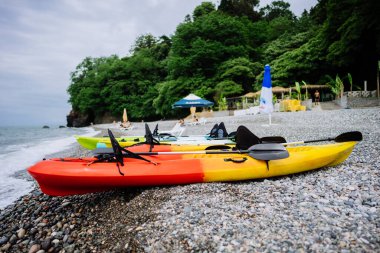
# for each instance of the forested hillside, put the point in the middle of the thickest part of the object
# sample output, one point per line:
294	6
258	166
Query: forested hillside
220	51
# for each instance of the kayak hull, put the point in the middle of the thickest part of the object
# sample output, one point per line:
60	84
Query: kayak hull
69	176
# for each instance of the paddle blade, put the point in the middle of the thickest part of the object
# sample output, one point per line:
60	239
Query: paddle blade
349	136
268	151
273	139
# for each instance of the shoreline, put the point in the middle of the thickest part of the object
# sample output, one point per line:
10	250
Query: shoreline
331	209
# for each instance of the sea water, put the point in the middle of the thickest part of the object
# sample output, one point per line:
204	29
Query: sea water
21	147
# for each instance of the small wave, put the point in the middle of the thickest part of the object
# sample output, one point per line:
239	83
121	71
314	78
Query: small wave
20	157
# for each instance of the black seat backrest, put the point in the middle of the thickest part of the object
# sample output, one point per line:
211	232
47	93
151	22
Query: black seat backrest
222	132
245	138
232	136
148	134
213	132
155	131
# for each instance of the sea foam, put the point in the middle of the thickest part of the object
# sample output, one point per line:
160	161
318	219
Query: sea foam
15	159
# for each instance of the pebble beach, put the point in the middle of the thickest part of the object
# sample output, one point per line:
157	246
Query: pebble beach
334	209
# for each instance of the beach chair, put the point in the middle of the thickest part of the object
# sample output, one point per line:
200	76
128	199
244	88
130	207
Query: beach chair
253	110
202	121
177	130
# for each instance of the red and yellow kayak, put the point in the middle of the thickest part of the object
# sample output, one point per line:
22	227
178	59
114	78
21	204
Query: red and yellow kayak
69	176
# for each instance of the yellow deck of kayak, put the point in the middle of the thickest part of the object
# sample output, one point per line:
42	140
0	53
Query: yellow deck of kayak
301	159
92	142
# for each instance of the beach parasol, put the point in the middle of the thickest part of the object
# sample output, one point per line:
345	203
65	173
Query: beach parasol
125	117
192	101
266	97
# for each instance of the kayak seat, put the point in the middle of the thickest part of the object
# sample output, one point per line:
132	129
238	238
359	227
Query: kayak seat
213	131
219	131
177	130
245	138
222	132
232	135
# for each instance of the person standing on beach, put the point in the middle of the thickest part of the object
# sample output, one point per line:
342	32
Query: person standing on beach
316	97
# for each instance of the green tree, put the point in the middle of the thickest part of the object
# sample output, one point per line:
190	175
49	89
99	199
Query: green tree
203	9
240	8
200	46
87	81
351	35
227	88
277	9
217	53
336	86
238	71
143	41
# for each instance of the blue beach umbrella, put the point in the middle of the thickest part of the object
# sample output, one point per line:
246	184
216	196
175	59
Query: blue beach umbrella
192	101
266	97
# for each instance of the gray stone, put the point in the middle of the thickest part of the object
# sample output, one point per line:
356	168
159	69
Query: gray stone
21	233
45	245
55	242
34	248
13	239
3	240
5	247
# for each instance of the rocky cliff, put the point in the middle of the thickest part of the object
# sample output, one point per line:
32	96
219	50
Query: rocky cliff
77	119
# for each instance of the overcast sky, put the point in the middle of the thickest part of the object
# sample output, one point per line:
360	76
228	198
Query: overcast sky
42	41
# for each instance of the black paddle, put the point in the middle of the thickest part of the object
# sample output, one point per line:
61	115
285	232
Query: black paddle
261	149
273	139
268	151
344	137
